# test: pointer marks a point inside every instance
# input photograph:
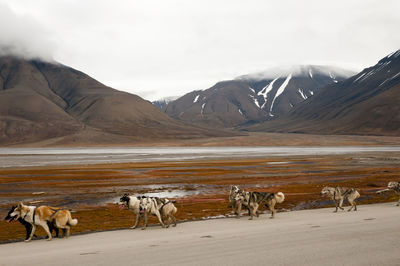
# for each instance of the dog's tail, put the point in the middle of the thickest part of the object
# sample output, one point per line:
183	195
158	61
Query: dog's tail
71	221
280	197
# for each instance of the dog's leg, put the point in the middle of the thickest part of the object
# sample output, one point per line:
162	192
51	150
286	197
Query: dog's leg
398	203
174	220
28	228
336	205
46	228
159	219
68	231
351	203
257	212
341	204
146	216
251	207
256	209
239	209
32	233
168	221
137	221
272	209
355	205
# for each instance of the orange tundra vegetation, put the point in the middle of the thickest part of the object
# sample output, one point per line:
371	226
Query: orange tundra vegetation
200	187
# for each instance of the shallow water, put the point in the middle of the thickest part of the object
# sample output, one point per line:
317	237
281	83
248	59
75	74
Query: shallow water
24	157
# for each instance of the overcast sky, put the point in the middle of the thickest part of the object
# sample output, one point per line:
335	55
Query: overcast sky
164	48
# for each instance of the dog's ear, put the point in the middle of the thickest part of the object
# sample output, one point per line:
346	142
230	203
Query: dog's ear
20	205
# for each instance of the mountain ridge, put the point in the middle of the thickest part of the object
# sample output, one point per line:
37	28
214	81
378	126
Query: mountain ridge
41	100
252	98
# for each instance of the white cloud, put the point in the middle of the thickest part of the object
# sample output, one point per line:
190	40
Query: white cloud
157	48
23	36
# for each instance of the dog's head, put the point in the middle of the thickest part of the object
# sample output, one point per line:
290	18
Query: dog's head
19	211
326	191
11	216
144	204
392	185
240	197
234	189
124	201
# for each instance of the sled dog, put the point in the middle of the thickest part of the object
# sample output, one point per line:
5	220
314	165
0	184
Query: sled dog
339	194
148	206
395	186
253	200
167	210
42	215
28	226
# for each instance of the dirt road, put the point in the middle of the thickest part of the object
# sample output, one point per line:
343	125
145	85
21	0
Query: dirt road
370	236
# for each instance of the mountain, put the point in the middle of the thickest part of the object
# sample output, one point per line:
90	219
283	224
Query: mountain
41	100
255	97
162	103
366	104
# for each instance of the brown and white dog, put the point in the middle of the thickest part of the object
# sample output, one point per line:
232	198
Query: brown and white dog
148	206
252	201
339	194
167	210
42	215
395	186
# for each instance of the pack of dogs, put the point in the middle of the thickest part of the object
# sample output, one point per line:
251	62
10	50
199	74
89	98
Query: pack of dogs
163	208
54	218
251	201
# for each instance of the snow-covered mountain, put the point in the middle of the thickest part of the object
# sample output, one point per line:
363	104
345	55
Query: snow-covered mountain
366	103
162	103
254	97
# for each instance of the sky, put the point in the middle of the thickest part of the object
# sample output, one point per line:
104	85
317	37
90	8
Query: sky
166	48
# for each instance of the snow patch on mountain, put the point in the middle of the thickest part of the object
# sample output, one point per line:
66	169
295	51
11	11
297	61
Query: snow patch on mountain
202	108
303	95
280	90
255	100
264	92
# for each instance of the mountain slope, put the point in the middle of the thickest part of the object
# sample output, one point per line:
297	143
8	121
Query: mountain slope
253	98
367	103
41	100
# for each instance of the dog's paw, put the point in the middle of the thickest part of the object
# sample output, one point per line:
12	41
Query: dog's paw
133	227
27	240
143	228
174	225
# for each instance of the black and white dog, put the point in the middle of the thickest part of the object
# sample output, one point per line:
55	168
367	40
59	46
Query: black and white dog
28	226
132	203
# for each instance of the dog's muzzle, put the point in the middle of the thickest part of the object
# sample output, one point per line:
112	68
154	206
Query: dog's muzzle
12	219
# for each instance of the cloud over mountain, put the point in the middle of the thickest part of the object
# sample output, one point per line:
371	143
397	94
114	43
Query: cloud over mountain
23	36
